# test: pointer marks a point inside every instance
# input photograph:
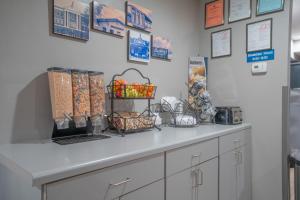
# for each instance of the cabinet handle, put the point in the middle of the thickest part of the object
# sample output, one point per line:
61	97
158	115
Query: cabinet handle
122	182
237	142
241	157
196	156
237	157
200	172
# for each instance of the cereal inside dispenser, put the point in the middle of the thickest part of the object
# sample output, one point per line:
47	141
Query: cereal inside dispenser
97	97
81	97
60	83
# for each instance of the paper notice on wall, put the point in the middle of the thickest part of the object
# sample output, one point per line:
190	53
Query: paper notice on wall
259	36
221	43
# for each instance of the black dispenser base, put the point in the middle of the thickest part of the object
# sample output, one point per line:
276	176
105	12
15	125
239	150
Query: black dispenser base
74	135
72	130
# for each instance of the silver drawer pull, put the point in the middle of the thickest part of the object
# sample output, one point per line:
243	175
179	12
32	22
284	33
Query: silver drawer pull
237	143
200	172
122	182
241	157
195	159
196	156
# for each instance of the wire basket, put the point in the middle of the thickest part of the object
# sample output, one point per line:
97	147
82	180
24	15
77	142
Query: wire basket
182	114
132	91
129	122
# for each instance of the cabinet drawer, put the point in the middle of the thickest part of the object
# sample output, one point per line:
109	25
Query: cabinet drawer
155	191
186	157
233	141
109	183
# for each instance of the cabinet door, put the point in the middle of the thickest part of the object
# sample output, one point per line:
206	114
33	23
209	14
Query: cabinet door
208	183
244	173
228	176
235	174
155	191
197	183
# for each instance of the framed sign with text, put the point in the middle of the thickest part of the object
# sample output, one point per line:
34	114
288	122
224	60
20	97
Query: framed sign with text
221	43
214	14
269	6
239	10
259	36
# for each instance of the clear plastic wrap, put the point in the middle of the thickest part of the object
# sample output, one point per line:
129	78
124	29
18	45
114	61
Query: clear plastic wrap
60	84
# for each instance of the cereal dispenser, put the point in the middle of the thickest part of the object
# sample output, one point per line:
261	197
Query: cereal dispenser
81	97
97	99
60	83
78	99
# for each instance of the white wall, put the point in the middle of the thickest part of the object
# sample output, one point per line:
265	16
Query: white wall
231	83
27	50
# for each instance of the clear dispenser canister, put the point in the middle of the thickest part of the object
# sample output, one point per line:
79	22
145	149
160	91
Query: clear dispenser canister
97	97
81	97
60	83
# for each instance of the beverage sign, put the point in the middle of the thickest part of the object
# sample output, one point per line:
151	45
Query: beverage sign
260	56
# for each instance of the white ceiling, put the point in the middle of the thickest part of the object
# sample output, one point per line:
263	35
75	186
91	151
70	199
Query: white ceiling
296	20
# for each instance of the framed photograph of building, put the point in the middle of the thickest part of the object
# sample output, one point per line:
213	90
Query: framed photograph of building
71	18
108	19
269	6
161	48
138	46
138	17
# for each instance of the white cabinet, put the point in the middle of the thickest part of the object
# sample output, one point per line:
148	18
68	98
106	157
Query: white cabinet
228	176
216	169
154	191
197	183
235	169
186	165
244	174
109	183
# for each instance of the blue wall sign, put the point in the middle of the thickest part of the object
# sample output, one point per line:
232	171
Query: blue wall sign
260	56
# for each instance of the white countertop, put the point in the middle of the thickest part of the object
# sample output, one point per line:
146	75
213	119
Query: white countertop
46	162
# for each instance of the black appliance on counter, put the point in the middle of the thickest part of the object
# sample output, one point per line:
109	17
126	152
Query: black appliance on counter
229	115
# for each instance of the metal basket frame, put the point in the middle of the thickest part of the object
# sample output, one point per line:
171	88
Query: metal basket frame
125	129
113	98
186	111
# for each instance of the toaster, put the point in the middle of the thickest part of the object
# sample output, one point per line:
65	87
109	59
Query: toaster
228	115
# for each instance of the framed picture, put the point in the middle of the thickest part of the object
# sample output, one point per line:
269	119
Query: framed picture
197	79
221	43
269	6
71	18
239	10
214	14
161	48
138	17
138	46
108	19
259	35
